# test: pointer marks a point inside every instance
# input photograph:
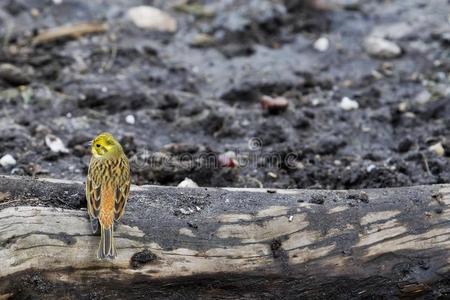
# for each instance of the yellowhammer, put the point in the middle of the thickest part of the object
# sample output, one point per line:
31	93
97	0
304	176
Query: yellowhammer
107	187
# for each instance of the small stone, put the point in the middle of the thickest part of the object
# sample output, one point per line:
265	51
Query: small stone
299	165
423	97
403	107
322	44
315	102
151	18
55	144
410	115
7	161
34	12
274	105
370	168
348	104
290	218
381	48
184	211
188	183
130	119
203	40
438	149
272	174
347	83
13	75
377	75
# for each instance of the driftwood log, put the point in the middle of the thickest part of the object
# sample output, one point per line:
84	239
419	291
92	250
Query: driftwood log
227	243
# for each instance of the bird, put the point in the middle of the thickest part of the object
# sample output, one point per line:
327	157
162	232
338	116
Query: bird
107	189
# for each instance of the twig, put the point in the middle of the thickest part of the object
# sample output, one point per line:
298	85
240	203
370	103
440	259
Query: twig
72	31
109	63
425	162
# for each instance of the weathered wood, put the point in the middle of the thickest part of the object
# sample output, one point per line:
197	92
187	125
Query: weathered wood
227	243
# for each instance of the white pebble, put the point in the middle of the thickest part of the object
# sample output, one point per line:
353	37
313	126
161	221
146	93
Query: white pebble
7	161
438	149
381	48
371	168
272	174
423	97
187	183
348	104
315	101
322	44
151	18
130	119
55	144
290	218
184	211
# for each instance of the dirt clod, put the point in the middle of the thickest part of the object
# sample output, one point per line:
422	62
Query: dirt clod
139	259
276	248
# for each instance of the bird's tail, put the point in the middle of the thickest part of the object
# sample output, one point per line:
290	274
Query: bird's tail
106	249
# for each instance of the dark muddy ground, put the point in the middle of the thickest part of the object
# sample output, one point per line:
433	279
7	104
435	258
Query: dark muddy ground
192	104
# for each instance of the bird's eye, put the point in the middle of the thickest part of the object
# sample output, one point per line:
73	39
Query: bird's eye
97	145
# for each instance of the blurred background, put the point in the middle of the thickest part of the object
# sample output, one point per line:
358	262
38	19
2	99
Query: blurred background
261	93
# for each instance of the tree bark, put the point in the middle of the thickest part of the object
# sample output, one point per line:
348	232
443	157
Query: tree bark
226	243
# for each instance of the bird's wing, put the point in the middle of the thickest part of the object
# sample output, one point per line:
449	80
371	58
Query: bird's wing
122	190
93	192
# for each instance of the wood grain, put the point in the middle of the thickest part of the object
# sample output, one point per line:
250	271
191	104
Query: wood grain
218	243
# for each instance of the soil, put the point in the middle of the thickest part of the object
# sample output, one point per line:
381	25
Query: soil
197	107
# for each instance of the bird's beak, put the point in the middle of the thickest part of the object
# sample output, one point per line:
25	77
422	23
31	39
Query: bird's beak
88	144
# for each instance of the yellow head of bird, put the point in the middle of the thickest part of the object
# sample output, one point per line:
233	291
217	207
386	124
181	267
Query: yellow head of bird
105	145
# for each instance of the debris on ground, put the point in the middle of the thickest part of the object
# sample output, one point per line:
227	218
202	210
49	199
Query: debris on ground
324	94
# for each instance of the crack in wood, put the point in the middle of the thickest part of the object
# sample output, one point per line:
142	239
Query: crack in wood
265	240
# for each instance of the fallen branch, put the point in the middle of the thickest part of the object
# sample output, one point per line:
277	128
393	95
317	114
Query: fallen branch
227	243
